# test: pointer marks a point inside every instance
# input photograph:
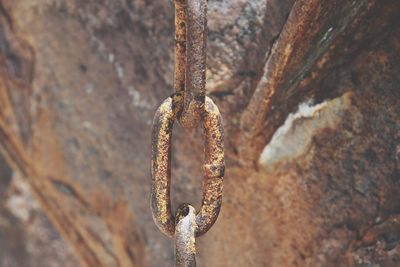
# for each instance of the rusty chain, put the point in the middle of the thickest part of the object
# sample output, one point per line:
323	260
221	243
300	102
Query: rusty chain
189	105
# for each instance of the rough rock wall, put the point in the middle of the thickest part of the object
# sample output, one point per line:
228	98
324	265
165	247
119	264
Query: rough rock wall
27	237
310	98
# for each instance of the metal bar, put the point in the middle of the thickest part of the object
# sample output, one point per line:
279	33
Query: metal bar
185	236
196	45
180	45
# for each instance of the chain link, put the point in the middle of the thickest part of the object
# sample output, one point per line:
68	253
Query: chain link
214	165
190	106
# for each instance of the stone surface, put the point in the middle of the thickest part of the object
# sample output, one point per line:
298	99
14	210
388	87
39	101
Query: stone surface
27	239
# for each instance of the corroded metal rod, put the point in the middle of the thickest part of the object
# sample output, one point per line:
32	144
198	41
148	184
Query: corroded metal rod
180	45
195	64
185	237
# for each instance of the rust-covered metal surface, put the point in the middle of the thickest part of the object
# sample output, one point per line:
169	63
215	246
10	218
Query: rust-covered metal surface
185	236
214	165
309	93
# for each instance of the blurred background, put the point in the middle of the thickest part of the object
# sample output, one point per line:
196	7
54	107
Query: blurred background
27	237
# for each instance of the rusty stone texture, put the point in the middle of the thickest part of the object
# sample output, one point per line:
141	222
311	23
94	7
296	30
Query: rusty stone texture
308	47
81	80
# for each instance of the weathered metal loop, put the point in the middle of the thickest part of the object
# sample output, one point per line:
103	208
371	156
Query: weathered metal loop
185	237
190	58
214	165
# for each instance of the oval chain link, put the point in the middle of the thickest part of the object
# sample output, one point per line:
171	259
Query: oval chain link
214	166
